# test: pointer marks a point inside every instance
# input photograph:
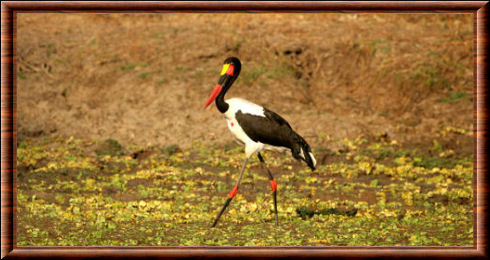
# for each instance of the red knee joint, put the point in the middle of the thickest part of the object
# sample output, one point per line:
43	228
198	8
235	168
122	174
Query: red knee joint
233	192
273	185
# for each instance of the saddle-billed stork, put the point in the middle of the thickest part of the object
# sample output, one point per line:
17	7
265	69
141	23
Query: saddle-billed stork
257	127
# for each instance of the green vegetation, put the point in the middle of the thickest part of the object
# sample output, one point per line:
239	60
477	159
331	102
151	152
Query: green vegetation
381	45
162	81
50	49
281	70
143	75
109	147
93	42
128	67
431	75
21	75
80	192
248	77
454	97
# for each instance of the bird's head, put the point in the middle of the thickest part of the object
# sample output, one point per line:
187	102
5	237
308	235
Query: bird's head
229	72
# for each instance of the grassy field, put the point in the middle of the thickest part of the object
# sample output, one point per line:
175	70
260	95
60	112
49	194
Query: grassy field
384	100
371	192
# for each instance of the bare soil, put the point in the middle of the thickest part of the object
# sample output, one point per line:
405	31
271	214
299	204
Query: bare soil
144	78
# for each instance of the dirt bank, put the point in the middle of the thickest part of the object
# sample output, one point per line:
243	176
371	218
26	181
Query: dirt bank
144	78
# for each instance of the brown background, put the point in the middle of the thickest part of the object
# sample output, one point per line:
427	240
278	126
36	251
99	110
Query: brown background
8	119
144	78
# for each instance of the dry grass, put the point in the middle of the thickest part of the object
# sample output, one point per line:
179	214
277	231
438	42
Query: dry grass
142	78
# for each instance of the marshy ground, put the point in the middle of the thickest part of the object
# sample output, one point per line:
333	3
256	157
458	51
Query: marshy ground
114	147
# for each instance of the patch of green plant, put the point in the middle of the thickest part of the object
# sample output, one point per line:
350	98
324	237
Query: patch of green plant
380	45
68	195
453	97
143	75
434	53
162	81
436	146
280	71
430	75
109	147
51	49
21	75
171	149
249	76
128	67
430	162
305	213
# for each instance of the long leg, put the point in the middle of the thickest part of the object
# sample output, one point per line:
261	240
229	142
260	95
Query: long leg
273	185
231	194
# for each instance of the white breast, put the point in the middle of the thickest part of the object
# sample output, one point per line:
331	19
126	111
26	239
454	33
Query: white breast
236	104
244	105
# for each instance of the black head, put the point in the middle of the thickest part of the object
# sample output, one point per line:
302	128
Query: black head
231	67
229	73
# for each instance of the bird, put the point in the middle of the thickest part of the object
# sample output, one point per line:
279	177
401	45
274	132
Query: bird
258	128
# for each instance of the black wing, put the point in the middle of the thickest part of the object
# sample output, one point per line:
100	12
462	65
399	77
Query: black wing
271	129
271	115
275	130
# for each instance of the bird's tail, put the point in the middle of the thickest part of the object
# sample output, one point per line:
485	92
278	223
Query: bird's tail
303	152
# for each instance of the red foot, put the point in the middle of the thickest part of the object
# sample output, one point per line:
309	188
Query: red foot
233	192
273	185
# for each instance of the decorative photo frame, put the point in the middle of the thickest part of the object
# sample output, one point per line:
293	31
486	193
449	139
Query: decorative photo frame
9	134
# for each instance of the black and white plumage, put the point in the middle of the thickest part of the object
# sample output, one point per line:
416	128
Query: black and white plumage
257	127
